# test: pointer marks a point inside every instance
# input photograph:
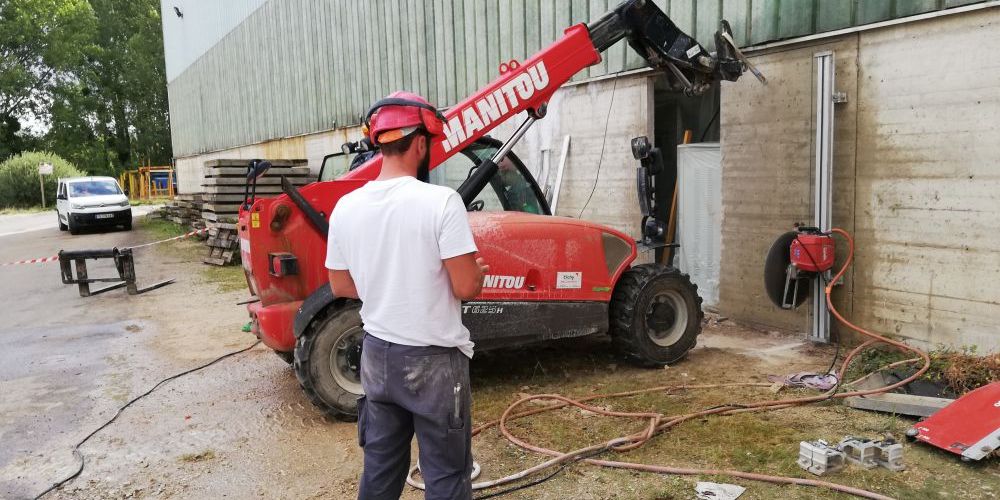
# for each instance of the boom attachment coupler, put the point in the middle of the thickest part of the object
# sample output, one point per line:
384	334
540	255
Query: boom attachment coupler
688	66
124	264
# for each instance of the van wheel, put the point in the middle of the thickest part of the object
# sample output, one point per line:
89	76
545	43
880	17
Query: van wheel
655	314
73	228
62	227
328	360
128	225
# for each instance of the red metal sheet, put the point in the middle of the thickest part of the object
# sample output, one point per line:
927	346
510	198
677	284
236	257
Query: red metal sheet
969	427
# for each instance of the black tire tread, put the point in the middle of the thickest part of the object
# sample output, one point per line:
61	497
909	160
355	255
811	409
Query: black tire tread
623	309
300	363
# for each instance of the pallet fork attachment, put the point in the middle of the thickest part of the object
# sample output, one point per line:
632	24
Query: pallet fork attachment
124	263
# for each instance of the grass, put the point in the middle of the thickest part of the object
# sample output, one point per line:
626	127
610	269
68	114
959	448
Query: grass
957	370
153	201
24	210
764	442
160	229
226	278
197	457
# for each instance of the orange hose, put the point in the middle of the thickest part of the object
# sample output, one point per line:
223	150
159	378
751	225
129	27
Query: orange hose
658	423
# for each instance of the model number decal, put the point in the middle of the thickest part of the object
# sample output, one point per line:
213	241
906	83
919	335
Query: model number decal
494	281
482	309
569	280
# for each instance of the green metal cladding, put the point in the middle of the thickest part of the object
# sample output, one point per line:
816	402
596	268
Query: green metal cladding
299	66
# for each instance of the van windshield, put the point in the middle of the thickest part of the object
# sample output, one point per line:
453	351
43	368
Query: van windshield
93	188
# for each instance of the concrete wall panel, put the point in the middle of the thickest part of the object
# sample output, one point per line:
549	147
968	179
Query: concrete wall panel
917	172
928	181
767	157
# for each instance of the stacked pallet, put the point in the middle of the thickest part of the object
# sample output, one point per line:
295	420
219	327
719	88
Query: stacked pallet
185	209
225	185
223	244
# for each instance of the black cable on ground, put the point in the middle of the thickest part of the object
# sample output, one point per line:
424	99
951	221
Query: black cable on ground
76	449
536	482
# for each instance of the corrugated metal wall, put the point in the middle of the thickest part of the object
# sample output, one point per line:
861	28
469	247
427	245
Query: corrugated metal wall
300	66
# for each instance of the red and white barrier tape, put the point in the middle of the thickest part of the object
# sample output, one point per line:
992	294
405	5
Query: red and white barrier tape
181	237
32	261
54	258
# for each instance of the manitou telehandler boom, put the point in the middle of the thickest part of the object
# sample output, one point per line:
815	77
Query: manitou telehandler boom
551	277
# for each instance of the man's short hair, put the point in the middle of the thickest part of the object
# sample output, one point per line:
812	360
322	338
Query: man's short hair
400	146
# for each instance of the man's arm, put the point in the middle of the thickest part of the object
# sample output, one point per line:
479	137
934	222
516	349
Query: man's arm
343	284
466	274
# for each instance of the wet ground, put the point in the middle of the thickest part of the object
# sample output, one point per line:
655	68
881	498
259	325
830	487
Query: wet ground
243	429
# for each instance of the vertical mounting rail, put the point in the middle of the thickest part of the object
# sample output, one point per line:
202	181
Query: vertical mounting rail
819	330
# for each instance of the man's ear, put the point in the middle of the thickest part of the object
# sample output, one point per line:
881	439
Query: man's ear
426	142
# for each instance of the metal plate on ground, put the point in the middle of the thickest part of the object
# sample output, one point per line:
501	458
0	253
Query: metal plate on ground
969	427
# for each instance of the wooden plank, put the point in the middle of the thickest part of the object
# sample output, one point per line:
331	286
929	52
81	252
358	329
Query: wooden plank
899	404
242	171
234	162
263	181
261	190
222	209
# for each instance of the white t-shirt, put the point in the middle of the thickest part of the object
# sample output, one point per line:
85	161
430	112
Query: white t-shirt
392	236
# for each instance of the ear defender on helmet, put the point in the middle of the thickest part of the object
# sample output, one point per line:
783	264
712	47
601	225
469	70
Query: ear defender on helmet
429	117
433	121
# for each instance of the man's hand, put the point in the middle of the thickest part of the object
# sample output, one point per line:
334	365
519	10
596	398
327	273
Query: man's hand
342	284
466	274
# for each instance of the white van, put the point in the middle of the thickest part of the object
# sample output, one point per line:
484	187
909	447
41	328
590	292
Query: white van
91	201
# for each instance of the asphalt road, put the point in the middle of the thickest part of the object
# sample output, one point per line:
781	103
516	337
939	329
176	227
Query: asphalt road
67	363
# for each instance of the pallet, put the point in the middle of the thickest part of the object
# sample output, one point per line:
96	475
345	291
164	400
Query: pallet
223	244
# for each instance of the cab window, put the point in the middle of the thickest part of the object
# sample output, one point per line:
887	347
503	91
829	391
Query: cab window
508	190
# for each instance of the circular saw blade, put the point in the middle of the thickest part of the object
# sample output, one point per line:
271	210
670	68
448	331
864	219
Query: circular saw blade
775	268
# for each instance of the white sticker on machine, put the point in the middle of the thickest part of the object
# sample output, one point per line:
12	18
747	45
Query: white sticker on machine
566	280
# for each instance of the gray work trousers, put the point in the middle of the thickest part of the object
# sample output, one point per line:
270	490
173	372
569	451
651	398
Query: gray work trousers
422	390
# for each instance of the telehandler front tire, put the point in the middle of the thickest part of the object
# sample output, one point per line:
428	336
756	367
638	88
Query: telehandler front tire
328	360
655	315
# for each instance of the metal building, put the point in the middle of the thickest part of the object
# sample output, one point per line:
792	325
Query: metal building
290	78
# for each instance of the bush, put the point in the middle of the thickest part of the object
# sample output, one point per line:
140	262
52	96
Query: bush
19	179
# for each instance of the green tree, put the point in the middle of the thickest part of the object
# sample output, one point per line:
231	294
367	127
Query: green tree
19	179
113	116
42	42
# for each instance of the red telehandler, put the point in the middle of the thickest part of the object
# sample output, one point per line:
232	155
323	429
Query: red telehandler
551	277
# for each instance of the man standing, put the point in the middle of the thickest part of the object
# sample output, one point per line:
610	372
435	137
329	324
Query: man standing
404	247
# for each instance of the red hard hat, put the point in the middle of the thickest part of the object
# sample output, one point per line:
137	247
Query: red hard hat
403	112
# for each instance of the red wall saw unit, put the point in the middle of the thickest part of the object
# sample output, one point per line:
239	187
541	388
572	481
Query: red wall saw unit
812	252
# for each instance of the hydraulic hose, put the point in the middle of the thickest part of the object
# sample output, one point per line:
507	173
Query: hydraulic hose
657	423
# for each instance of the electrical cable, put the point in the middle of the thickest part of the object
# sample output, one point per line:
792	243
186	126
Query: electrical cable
710	122
76	448
600	159
658	423
536	482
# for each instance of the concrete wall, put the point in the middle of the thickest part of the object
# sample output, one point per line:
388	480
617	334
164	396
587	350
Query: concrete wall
917	172
601	117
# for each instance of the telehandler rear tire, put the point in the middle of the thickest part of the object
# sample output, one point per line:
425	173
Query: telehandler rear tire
328	358
655	315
